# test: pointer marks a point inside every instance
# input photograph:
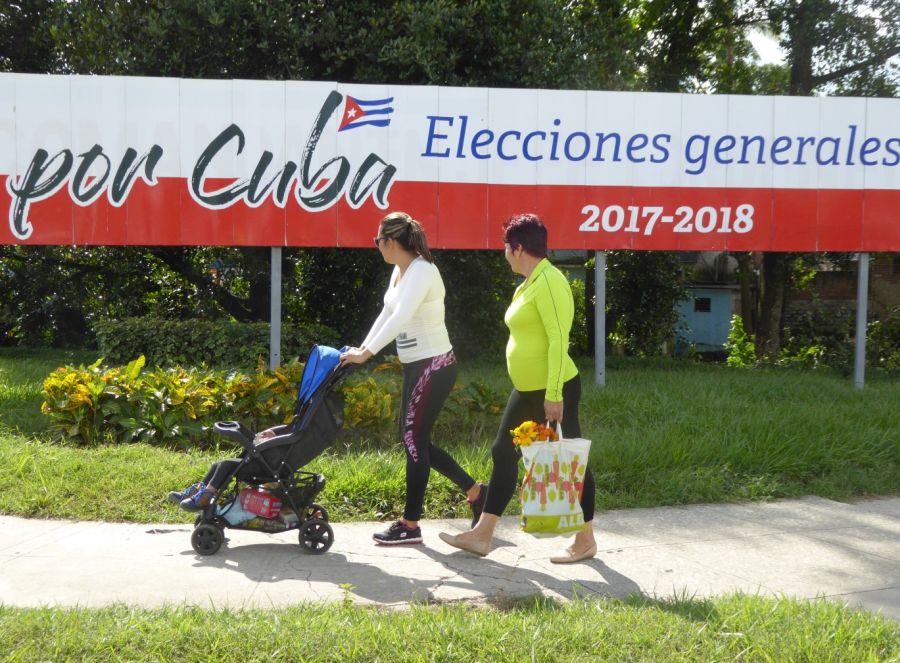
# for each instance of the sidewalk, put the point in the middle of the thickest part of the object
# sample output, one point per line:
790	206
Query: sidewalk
806	548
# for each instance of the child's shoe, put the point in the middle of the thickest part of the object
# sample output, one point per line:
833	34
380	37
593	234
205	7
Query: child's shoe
177	495
198	501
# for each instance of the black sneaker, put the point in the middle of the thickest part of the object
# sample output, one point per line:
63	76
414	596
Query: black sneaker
398	533
478	505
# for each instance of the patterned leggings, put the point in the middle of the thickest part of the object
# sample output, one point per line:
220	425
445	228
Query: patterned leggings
426	385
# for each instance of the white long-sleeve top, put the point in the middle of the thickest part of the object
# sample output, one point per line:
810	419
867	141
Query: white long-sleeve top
413	314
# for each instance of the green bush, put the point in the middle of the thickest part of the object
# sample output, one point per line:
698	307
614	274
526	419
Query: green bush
368	404
823	340
578	337
479	287
822	337
176	407
173	406
643	289
478	397
826	339
883	346
739	346
196	342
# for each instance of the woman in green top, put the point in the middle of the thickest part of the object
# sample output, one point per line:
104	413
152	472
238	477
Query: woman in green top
546	386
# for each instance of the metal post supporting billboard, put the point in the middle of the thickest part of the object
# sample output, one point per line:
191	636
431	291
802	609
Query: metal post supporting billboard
275	311
862	311
600	317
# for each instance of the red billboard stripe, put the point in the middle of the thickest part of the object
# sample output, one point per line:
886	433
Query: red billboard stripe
794	219
881	221
463	221
840	217
470	216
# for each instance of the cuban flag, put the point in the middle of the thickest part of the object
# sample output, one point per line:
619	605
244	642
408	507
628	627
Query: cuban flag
360	112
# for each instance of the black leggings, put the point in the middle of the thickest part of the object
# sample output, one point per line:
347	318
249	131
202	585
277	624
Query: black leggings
529	406
426	385
222	470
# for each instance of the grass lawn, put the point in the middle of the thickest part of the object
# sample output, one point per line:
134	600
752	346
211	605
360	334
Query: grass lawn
664	433
735	628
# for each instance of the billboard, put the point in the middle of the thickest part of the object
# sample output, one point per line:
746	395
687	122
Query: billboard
163	161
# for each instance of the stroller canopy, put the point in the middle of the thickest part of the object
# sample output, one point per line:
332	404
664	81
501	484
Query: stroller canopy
321	362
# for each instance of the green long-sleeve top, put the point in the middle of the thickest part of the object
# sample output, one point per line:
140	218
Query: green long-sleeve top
539	319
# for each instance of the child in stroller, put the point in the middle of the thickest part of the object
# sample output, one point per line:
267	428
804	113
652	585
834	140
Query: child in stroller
267	480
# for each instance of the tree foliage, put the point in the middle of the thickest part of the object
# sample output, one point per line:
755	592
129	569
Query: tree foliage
26	44
642	291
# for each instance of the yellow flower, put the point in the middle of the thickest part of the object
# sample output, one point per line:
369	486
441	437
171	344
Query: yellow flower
529	432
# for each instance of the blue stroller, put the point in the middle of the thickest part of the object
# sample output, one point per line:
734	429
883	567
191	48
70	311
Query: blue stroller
275	465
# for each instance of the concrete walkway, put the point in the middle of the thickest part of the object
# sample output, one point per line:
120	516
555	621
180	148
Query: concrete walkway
805	548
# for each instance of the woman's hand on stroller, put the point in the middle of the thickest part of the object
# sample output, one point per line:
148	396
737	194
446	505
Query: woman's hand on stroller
355	356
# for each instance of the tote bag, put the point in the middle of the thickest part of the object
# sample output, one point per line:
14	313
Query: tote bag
553	484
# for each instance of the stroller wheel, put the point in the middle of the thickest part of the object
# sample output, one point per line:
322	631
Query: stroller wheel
316	511
207	539
316	536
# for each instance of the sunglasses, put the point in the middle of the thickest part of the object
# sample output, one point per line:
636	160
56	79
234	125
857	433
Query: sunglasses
379	240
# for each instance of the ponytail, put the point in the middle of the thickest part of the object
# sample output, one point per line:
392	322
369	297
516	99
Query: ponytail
417	240
401	227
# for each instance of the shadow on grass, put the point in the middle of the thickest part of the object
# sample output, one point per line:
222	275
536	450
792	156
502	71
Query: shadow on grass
693	609
688	607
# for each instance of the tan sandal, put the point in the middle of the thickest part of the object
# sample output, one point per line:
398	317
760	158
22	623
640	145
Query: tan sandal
571	557
480	548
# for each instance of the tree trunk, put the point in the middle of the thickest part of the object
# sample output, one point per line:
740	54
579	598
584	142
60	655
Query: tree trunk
776	266
802	33
249	309
748	305
590	305
775	275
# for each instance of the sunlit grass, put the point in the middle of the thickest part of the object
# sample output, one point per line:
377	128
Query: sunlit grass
663	432
731	628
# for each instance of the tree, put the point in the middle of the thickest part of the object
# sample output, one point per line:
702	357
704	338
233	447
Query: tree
842	47
838	46
51	295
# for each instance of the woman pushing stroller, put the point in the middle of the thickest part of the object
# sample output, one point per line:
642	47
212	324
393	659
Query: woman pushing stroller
413	315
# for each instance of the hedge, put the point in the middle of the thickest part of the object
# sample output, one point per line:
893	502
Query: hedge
177	407
199	342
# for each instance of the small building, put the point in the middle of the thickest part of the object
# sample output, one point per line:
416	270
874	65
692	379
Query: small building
706	317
